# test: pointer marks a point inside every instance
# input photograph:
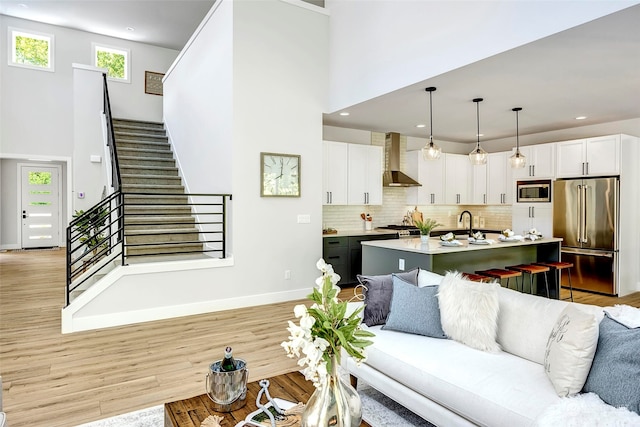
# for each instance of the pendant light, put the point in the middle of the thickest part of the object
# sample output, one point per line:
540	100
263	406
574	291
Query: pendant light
431	151
518	160
478	156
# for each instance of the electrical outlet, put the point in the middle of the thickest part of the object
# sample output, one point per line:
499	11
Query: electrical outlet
304	219
287	274
401	264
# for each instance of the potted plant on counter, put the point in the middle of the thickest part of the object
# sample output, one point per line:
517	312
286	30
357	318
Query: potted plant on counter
425	228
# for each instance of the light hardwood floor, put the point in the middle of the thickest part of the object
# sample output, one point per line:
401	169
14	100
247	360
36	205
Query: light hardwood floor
51	380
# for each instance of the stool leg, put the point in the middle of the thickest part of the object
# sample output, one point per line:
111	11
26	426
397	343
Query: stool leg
546	282
570	284
531	283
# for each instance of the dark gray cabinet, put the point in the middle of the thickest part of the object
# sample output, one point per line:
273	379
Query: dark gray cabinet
345	254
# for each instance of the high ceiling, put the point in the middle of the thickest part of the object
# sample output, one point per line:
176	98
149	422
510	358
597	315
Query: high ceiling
166	23
591	70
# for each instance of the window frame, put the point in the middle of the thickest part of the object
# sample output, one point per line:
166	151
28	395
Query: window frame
95	47
13	32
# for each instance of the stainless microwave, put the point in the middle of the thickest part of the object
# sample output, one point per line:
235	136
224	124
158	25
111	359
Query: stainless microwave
533	191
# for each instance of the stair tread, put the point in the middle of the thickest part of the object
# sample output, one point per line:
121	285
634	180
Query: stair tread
146	158
140	175
142	150
160	231
175	186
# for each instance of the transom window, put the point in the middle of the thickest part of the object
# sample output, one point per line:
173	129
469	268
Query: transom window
30	49
114	59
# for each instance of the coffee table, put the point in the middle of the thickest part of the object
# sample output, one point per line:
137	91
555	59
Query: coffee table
191	412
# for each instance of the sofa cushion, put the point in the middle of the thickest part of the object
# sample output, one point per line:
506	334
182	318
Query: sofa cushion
469	311
615	372
414	310
525	315
570	349
491	389
377	293
428	278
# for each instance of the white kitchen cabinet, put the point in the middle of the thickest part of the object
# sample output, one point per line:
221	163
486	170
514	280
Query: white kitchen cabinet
479	184
334	173
429	173
589	157
499	179
457	171
525	216
364	182
540	162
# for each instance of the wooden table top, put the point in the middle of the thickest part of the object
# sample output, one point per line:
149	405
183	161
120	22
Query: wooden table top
191	412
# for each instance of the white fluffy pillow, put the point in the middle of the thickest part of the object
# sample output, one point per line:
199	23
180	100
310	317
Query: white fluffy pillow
428	278
570	350
469	311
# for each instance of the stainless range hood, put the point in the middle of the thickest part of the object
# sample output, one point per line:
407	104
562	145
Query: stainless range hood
393	176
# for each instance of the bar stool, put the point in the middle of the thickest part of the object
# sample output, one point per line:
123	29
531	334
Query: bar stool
559	266
500	274
476	277
531	270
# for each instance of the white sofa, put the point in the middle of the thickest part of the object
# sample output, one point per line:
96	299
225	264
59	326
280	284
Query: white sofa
451	384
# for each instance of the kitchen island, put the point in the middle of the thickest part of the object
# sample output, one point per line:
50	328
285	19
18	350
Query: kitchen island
383	257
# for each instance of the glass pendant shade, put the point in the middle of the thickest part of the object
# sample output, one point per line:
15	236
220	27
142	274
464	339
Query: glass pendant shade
431	151
478	156
517	160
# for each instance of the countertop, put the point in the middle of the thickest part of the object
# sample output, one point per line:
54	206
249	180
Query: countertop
434	247
361	232
384	231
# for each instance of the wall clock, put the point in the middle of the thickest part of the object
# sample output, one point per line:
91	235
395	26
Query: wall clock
279	175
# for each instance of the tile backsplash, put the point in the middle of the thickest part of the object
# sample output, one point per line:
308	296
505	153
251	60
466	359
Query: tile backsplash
394	208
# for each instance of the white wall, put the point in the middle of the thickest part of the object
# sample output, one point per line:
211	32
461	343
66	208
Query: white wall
399	43
279	54
198	105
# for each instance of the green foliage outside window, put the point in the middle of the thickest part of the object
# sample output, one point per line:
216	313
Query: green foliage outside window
39	178
32	51
114	62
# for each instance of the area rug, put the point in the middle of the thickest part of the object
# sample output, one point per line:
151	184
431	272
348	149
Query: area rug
378	410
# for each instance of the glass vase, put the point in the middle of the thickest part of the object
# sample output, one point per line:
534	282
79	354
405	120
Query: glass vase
335	403
424	238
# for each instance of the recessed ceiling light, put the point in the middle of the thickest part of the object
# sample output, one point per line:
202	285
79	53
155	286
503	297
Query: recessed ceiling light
130	29
344	113
480	134
23	6
421	126
581	117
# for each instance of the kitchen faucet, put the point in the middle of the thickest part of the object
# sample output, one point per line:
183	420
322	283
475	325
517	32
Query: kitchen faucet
470	221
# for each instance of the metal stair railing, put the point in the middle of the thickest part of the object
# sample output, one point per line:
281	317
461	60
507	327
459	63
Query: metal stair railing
103	234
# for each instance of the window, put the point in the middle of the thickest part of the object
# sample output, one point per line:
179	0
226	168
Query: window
115	60
31	50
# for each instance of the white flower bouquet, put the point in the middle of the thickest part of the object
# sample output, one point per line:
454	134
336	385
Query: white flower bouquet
325	328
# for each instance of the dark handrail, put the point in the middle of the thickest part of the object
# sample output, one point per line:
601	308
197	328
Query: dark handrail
111	138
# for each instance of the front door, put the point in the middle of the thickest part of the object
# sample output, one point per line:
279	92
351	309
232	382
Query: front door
40	206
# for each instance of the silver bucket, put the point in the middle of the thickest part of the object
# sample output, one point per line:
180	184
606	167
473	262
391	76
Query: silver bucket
227	390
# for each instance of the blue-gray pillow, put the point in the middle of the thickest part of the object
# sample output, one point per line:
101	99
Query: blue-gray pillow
615	371
414	310
377	293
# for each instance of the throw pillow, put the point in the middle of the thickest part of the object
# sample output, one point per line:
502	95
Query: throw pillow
615	372
377	291
570	350
469	311
414	310
428	278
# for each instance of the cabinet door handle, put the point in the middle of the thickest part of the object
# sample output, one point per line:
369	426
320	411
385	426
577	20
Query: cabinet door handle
484	198
334	257
458	198
587	168
533	211
331	197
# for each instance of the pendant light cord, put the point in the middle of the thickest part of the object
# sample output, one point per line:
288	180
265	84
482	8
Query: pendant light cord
517	110
477	101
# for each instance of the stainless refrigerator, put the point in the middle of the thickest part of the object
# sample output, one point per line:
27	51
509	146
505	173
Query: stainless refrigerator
585	215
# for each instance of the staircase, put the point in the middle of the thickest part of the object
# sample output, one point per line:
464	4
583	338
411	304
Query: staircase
159	220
